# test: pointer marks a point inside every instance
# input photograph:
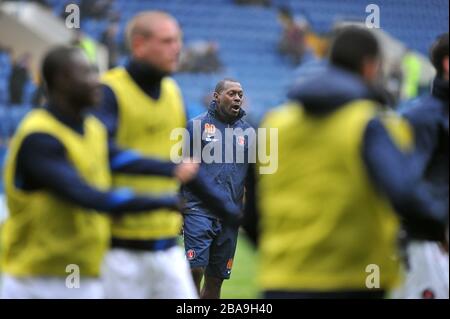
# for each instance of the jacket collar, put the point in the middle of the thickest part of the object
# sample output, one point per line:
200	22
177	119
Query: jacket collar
76	125
331	88
146	76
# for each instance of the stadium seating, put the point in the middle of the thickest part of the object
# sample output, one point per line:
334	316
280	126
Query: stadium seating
414	22
248	35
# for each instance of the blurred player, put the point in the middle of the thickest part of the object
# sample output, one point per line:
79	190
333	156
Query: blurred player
57	180
428	260
142	105
327	225
210	245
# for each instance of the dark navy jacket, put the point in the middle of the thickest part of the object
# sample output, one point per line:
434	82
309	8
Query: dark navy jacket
429	117
228	178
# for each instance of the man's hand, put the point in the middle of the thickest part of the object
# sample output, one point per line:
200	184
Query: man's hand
186	171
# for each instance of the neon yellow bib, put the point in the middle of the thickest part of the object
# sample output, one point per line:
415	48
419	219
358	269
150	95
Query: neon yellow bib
44	233
145	126
322	221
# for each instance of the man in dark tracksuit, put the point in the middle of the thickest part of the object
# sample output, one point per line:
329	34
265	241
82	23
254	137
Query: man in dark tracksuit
209	244
428	115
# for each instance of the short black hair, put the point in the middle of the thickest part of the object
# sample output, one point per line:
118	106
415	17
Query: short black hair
55	61
438	51
221	85
351	46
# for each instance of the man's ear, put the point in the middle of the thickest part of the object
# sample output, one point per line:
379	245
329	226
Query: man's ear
216	96
137	45
370	69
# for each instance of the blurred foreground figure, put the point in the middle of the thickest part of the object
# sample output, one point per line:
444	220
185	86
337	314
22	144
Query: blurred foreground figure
327	223
427	256
58	188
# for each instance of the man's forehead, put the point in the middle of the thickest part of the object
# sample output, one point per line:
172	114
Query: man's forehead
157	25
229	85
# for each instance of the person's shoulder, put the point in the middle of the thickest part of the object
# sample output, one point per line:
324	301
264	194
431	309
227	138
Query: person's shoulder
170	82
199	118
41	143
424	110
282	115
397	128
113	74
36	120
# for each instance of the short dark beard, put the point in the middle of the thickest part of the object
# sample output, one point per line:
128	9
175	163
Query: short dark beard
223	116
